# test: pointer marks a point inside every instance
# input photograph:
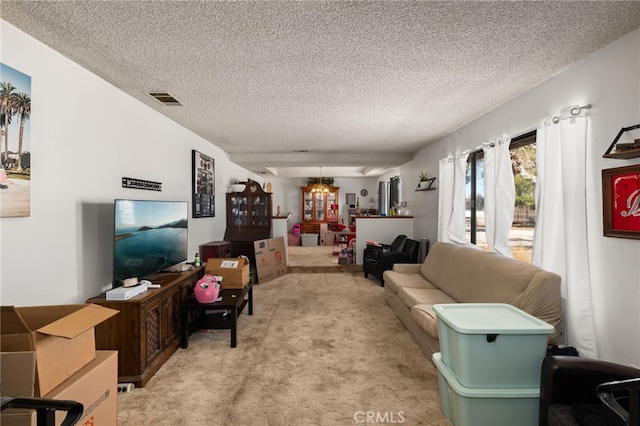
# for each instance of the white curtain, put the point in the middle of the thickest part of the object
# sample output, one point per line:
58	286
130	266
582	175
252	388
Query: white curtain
445	198
499	195
451	228
560	242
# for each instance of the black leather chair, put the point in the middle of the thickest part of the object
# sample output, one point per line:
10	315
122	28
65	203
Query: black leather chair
377	260
577	391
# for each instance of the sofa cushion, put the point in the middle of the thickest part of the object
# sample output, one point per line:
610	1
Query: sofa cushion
475	276
417	296
395	280
426	318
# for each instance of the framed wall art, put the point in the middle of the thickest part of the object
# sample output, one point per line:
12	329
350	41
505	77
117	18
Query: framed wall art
621	202
204	186
15	143
351	199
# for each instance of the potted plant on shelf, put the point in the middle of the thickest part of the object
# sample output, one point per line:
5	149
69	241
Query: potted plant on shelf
424	181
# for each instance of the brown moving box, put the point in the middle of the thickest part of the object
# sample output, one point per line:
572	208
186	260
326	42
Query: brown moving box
94	386
62	337
270	259
234	271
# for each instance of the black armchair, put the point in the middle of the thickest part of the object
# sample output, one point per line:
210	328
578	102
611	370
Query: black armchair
377	260
581	391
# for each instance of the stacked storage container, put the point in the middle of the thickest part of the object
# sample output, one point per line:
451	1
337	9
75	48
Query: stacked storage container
489	364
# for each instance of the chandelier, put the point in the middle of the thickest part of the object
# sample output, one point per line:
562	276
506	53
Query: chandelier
320	186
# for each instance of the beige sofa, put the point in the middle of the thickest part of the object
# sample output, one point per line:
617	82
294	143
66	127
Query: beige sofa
457	274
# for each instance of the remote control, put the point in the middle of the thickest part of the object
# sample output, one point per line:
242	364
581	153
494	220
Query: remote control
153	286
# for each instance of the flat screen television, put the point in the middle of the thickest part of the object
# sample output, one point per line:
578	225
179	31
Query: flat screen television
149	236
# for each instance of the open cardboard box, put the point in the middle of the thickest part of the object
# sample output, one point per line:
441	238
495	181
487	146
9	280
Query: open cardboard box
234	271
61	336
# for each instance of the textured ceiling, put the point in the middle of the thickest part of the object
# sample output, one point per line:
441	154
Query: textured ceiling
360	85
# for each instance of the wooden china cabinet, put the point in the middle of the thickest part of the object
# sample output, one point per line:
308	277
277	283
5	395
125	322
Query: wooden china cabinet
248	219
318	207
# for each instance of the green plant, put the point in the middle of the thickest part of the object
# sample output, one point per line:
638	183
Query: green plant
424	177
326	180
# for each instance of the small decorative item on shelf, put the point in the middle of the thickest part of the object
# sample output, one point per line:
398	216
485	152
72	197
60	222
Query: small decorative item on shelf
425	182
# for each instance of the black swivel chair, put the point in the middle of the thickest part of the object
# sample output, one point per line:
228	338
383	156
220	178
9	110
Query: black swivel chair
582	391
379	259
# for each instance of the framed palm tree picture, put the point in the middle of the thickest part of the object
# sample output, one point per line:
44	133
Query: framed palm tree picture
15	131
204	185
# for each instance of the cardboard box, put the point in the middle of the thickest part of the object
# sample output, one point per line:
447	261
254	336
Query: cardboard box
234	271
17	373
61	336
17	377
94	386
271	259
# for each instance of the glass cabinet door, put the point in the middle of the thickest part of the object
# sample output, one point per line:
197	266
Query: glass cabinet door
320	203
239	210
260	211
308	206
332	205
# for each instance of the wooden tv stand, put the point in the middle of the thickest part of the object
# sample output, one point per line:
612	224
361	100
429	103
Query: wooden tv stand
146	332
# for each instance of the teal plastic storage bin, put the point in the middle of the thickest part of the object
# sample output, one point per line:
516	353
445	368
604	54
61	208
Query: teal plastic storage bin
492	345
485	407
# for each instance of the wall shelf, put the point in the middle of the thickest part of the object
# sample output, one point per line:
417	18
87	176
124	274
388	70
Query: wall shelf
625	154
429	184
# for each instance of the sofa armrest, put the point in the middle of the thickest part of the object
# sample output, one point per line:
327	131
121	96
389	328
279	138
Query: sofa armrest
391	258
568	379
407	268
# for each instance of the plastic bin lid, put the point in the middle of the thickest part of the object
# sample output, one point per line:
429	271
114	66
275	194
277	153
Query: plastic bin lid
528	393
493	318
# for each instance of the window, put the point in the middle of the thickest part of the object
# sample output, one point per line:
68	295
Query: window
523	163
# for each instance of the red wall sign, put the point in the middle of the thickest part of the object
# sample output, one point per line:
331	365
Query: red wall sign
621	201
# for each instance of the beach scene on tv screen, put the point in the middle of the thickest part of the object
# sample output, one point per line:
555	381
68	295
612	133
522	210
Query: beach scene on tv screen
149	236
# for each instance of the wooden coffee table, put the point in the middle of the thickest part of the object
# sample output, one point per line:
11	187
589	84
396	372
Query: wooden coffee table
211	316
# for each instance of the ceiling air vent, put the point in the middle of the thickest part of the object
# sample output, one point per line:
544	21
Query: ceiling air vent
164	98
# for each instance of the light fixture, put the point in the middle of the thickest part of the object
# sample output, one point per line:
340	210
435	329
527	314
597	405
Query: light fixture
320	186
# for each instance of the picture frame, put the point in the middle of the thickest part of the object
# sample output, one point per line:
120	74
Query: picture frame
350	198
204	185
621	202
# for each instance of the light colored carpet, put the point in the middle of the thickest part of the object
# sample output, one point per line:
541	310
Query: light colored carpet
320	349
317	259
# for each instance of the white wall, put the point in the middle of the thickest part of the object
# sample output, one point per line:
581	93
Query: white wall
610	81
86	136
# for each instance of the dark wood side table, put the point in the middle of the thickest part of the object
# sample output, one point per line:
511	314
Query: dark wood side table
198	316
215	249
